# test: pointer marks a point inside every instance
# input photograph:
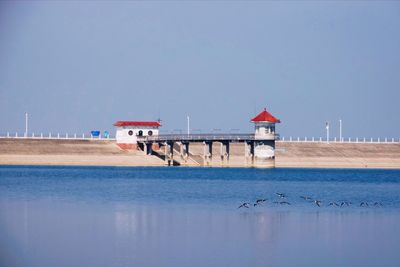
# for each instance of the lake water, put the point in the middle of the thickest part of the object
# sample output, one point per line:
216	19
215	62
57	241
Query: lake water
106	216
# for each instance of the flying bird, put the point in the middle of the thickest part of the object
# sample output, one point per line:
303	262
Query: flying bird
259	201
334	204
364	204
244	205
307	198
345	203
318	203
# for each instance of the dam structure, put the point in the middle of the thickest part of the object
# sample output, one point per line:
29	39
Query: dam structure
258	150
139	143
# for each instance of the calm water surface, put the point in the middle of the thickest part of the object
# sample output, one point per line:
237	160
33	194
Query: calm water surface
100	216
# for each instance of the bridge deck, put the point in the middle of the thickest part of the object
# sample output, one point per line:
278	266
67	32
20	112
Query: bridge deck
204	138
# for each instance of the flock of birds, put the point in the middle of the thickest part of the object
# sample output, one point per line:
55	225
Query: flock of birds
282	200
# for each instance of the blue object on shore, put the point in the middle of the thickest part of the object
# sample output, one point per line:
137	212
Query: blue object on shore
95	133
106	134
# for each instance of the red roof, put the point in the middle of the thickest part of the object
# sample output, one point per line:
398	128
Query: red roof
137	123
265	116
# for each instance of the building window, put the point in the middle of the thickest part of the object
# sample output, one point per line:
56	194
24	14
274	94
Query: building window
140	133
130	132
150	133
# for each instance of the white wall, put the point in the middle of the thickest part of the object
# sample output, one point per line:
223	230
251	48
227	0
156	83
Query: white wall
264	151
122	135
264	130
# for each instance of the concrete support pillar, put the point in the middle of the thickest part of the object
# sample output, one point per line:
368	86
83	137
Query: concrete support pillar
149	148
181	150
210	144
187	148
249	153
207	152
225	152
204	154
166	153
222	152
171	153
252	145
246	152
185	151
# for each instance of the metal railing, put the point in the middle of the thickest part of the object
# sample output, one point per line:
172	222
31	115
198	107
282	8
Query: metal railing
64	136
203	137
343	140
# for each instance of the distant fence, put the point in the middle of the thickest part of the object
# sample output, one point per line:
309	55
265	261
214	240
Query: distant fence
56	136
344	140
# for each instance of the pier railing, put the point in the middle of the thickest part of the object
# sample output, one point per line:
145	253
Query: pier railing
202	137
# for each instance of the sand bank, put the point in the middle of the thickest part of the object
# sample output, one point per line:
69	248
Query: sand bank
337	155
107	153
71	152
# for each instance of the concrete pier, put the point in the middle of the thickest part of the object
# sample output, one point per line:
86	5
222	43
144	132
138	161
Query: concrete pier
259	151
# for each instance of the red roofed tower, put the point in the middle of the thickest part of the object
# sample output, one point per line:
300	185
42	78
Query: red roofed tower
265	125
263	148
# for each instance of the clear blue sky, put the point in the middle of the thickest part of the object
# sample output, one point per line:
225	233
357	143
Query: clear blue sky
78	66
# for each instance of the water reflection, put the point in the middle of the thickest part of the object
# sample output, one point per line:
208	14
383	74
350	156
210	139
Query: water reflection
48	233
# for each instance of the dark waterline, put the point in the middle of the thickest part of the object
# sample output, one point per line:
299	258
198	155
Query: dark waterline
147	216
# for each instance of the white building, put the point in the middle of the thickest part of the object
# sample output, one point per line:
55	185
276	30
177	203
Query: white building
128	131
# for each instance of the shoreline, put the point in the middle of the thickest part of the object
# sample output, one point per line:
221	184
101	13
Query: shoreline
106	153
196	167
